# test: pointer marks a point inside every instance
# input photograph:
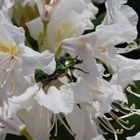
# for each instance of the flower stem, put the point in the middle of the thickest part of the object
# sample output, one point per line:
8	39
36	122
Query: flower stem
25	133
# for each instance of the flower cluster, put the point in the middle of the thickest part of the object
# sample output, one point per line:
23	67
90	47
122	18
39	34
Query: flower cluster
53	72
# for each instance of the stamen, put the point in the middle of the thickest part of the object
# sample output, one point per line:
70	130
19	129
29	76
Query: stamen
119	122
123	106
132	107
110	119
52	126
2	62
130	114
56	129
114	131
116	118
118	109
105	125
73	134
107	75
99	129
130	91
12	65
120	131
12	88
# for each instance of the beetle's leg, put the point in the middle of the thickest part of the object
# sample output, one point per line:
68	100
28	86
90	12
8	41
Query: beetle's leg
69	77
72	68
74	79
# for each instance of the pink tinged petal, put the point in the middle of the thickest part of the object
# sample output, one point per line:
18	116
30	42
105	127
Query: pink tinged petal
56	100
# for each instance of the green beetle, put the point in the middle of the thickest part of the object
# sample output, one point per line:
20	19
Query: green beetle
63	65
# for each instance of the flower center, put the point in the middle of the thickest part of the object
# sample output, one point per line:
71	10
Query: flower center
7	48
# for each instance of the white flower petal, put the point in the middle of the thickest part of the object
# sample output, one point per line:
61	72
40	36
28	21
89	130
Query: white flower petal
118	25
12	36
118	93
76	19
35	27
38	121
32	60
23	101
80	124
56	100
85	53
81	93
76	122
99	137
11	125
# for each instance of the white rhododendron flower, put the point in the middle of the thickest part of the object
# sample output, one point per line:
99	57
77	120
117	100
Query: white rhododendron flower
77	19
29	60
101	90
90	89
116	28
9	40
33	99
73	22
131	68
57	72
